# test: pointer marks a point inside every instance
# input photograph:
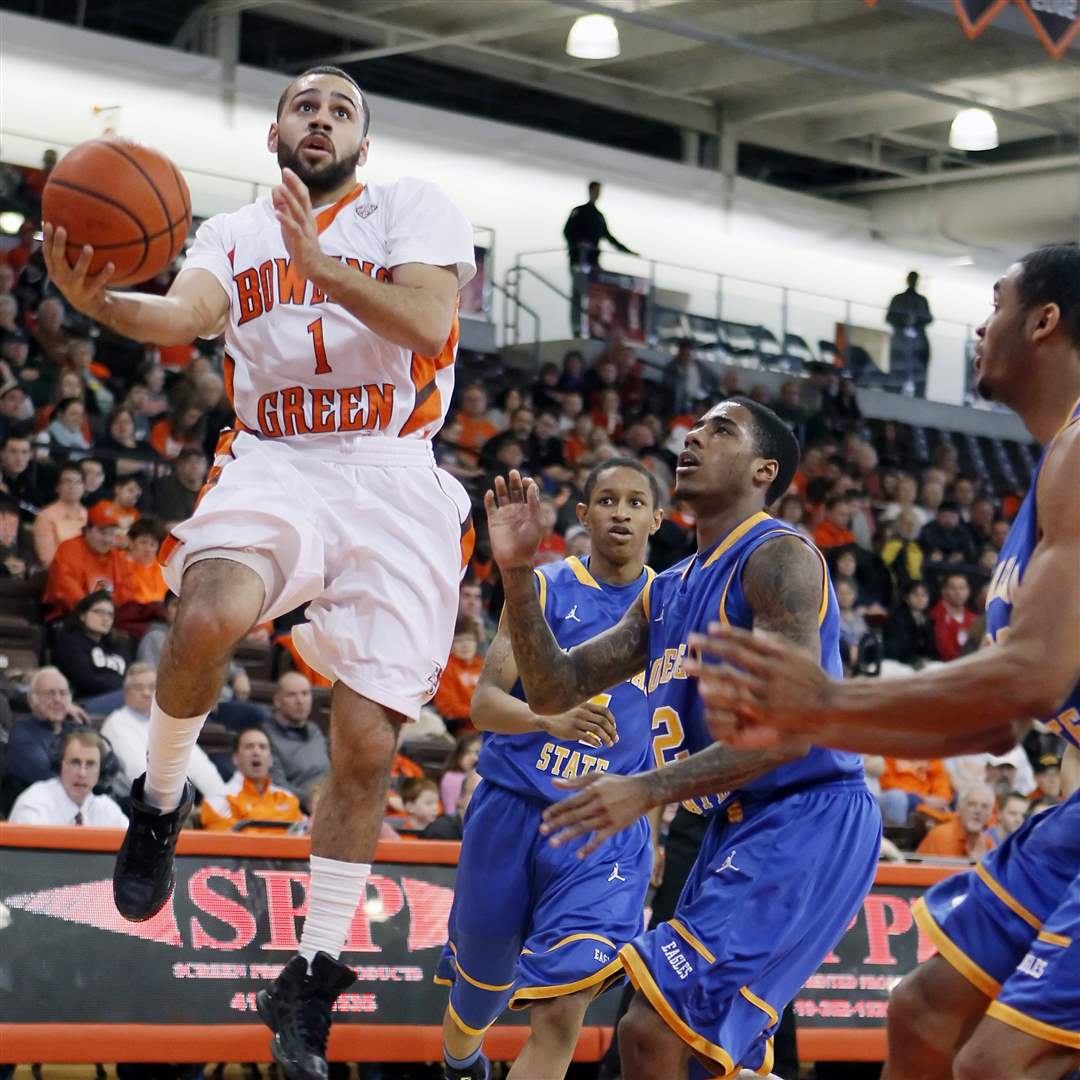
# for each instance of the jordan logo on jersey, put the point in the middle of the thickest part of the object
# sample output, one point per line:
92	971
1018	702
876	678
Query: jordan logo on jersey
728	864
571	614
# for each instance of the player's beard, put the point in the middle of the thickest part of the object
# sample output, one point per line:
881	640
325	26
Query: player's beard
320	180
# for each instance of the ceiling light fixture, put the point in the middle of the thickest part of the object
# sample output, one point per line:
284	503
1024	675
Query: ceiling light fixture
10	222
593	37
973	129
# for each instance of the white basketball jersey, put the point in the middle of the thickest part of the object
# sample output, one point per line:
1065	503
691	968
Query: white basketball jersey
298	365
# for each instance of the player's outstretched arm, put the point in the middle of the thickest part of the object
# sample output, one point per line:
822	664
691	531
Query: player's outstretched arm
969	704
494	708
554	681
782	581
196	306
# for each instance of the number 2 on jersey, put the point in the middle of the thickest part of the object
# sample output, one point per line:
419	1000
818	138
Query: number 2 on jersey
315	330
670	738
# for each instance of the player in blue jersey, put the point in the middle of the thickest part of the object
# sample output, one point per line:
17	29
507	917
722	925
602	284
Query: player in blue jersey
794	836
1001	1001
531	926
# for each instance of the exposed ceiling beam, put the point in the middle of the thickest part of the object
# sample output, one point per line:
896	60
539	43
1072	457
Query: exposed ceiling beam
421	42
790	139
625	95
954	176
753	112
618	94
869	120
724	69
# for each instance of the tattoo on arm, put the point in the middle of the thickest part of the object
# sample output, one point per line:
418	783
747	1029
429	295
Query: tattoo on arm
612	657
499	669
782	582
556	681
710	771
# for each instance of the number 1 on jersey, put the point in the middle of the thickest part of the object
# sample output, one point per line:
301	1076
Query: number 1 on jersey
315	330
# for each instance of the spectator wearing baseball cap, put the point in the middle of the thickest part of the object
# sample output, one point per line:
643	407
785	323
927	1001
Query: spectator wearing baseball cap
1047	771
88	563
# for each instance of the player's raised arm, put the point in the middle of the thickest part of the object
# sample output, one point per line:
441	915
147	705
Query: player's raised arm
415	309
969	704
554	681
782	582
494	707
196	306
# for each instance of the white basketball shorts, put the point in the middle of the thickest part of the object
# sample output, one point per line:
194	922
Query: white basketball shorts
375	543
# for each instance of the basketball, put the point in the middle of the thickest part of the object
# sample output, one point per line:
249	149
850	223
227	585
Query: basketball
127	200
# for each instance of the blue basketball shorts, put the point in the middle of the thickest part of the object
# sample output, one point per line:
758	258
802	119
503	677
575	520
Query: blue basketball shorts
530	921
773	890
1011	926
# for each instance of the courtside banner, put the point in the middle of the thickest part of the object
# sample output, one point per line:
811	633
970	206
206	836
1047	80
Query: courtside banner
68	959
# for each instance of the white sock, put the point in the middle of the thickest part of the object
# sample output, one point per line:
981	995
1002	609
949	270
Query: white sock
335	892
168	751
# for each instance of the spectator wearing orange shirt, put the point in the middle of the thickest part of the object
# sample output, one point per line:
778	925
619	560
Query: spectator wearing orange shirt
88	563
61	520
476	428
401	769
908	783
184	429
18	256
834	531
127	490
951	618
147	583
576	443
420	799
552	546
965	836
462	673
249	795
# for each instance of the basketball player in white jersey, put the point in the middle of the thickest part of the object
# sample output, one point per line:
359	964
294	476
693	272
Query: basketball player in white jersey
338	303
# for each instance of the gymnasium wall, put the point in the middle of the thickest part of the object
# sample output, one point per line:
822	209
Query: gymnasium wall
520	183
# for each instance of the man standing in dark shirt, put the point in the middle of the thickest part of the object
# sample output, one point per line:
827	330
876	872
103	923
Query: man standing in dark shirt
909	315
584	229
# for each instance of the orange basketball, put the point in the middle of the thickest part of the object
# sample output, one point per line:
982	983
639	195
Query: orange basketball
127	200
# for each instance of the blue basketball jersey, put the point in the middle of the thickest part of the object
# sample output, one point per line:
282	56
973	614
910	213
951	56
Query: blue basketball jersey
686	598
577	607
1009	576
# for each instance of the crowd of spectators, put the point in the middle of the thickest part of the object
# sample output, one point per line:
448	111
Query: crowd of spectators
105	445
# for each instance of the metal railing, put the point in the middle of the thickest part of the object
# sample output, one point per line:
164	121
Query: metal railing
676	296
510	297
